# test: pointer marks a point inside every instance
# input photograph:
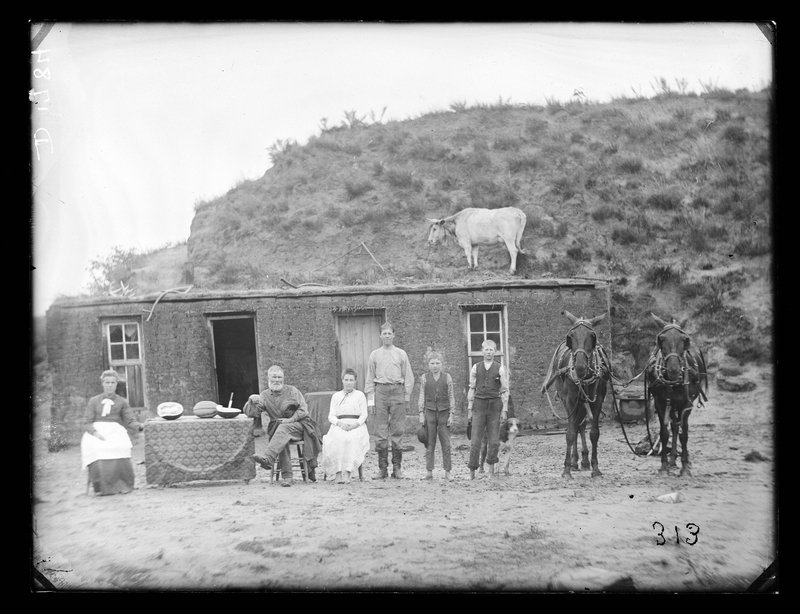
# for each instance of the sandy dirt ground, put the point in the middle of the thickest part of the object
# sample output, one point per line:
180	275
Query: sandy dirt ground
513	533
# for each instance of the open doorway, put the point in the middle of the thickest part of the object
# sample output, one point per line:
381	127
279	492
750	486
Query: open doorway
235	358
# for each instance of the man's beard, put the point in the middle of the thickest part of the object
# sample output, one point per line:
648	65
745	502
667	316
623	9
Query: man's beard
275	387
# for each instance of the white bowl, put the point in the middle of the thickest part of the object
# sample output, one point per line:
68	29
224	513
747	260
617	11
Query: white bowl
228	412
169	410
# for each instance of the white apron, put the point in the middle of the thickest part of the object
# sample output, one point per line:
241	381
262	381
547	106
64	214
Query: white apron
117	443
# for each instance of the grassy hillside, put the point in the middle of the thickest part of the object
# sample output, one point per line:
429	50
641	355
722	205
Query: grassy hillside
670	197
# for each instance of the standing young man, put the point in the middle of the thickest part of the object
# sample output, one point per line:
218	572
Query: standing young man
388	389
487	402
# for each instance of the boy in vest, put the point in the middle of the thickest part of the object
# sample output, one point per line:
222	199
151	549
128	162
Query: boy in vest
487	407
436	406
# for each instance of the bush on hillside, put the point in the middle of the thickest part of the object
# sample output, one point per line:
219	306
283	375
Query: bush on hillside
426	148
625	236
395	139
110	271
566	186
356	187
630	165
750	347
664	201
484	192
697	239
753	246
735	134
661	275
533	220
478	159
402	178
507	143
604	212
536	127
691	290
579	254
524	162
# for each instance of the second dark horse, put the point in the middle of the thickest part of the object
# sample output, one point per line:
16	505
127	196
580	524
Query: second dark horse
676	377
582	370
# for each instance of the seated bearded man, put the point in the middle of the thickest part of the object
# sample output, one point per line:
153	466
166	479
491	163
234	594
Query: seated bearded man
288	420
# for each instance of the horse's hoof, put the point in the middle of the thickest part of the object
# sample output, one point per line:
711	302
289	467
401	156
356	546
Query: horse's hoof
574	467
585	464
685	471
567	475
663	471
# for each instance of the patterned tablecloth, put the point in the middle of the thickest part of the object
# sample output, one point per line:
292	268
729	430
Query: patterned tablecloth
192	448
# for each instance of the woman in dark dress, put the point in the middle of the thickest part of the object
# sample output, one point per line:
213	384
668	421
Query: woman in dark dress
106	446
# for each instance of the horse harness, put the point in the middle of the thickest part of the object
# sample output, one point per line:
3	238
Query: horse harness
597	369
657	365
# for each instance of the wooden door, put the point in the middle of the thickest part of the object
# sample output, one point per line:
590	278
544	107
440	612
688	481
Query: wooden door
357	336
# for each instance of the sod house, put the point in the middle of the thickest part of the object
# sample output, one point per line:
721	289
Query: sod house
195	346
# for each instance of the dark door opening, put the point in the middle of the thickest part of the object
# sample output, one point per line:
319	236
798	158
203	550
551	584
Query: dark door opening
235	359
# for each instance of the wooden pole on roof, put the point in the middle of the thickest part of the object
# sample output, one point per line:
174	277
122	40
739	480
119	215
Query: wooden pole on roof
373	257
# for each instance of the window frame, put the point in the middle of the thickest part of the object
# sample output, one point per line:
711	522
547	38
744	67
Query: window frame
122	365
474	357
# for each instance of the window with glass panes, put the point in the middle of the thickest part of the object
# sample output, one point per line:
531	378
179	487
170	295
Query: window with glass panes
124	354
482	325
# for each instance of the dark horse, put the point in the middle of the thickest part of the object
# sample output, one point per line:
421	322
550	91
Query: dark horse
676	377
581	368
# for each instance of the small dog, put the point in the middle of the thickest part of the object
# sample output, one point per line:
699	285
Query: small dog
508	433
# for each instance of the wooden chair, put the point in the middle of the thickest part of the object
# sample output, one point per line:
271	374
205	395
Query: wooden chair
298	461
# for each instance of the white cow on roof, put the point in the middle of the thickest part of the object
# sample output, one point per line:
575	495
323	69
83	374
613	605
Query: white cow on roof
476	226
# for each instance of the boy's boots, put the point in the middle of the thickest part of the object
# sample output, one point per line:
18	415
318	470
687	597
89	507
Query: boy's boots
397	461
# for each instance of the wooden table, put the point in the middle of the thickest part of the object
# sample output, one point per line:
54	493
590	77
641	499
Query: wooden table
192	448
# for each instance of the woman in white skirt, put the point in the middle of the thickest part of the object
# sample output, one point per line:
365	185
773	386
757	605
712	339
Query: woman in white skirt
347	441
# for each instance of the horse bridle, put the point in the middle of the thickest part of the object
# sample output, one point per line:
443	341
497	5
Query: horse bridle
661	361
592	374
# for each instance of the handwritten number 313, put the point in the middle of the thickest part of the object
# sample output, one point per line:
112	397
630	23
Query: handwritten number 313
693	529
